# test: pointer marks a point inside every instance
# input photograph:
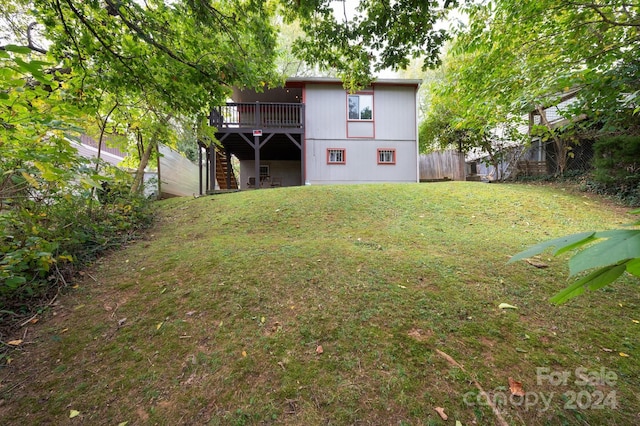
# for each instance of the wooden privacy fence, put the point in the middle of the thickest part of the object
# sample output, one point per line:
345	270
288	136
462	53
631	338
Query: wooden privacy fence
442	165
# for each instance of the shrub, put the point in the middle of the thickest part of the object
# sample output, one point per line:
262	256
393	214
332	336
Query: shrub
53	229
617	167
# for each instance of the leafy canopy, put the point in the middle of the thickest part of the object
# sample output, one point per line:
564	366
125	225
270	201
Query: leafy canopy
516	56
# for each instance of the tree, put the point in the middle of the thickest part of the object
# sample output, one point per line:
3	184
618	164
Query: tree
517	57
455	119
379	35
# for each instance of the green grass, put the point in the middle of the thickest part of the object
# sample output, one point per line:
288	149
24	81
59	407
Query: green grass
223	305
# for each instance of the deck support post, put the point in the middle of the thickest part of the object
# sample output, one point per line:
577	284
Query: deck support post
199	169
228	154
256	147
212	168
303	149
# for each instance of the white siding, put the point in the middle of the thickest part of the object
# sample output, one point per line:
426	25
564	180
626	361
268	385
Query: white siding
395	112
394	127
361	129
326	111
179	176
361	163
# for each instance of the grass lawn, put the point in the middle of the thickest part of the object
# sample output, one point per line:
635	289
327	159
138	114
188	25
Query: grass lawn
337	305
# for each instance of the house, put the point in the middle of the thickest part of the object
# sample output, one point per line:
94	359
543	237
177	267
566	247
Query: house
312	131
178	176
88	147
537	157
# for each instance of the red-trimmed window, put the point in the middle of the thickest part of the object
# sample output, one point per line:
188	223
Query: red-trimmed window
360	106
386	156
336	156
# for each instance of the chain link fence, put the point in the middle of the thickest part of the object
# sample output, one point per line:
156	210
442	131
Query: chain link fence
579	158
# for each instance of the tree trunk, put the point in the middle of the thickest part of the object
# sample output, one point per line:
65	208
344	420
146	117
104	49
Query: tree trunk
561	146
139	179
144	160
159	193
103	126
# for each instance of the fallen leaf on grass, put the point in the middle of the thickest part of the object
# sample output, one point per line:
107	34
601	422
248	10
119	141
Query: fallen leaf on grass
275	327
440	411
14	342
244	354
622	354
319	350
515	387
607	349
159	325
506	306
537	264
419	334
74	413
635	321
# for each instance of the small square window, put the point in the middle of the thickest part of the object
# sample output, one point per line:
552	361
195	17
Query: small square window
336	156
264	171
386	156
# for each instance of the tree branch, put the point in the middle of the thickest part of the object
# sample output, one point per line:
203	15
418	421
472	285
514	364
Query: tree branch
58	8
30	44
220	17
597	8
132	26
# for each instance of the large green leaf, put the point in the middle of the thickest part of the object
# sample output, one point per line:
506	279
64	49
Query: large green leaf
633	267
637	211
593	281
563	244
619	245
17	49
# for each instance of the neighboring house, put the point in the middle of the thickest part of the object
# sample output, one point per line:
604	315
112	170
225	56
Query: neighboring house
537	157
312	131
178	175
88	148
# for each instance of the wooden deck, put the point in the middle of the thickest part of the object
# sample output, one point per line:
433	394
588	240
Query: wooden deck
258	131
238	117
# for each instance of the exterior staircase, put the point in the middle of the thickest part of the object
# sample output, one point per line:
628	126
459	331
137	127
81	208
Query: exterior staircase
222	165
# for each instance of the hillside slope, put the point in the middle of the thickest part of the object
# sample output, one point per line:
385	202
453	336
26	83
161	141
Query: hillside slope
335	305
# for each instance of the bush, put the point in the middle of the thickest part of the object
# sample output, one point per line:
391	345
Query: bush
617	168
52	230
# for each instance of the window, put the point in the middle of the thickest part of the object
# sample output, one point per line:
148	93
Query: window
336	156
360	107
386	156
264	172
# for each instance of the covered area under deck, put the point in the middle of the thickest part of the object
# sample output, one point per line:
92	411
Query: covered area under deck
266	137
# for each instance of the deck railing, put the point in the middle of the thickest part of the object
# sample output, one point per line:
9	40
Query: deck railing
257	115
